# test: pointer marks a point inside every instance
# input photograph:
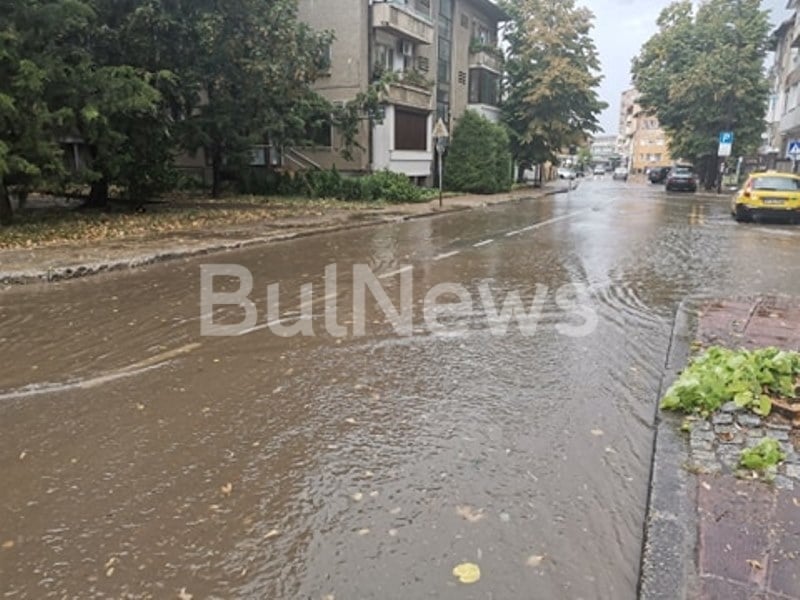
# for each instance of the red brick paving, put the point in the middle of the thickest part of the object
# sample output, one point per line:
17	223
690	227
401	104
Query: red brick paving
748	531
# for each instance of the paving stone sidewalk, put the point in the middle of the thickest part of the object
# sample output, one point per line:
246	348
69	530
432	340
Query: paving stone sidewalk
78	259
745	532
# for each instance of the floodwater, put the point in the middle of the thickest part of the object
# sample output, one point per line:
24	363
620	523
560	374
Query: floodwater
140	459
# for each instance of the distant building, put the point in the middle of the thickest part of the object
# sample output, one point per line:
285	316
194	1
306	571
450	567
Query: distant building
604	149
641	139
783	111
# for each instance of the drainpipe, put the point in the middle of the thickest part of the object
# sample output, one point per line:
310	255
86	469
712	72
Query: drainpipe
370	66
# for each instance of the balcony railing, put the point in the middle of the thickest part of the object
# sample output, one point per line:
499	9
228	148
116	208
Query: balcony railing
406	94
486	60
403	20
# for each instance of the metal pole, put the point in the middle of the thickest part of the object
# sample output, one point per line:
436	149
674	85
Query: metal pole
440	179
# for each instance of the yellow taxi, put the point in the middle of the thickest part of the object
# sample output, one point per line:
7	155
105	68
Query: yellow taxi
768	194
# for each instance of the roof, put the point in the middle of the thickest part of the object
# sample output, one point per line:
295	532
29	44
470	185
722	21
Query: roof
491	10
780	33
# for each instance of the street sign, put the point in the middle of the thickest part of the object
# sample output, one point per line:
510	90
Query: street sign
725	144
440	130
793	149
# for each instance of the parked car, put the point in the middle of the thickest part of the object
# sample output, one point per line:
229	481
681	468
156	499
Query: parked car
620	173
565	173
768	194
682	178
599	170
658	175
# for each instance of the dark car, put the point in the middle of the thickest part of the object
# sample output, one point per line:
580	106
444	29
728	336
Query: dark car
682	178
658	175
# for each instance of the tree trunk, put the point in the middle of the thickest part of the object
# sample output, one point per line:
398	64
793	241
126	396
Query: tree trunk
98	196
6	213
216	173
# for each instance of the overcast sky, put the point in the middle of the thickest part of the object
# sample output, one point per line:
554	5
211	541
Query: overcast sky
621	27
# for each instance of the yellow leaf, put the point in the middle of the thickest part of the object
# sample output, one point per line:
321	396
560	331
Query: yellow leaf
227	489
754	564
534	560
467	573
597	432
468	513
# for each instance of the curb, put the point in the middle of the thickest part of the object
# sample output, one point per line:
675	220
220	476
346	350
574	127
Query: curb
670	529
85	270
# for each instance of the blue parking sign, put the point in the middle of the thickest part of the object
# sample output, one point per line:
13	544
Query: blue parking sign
726	137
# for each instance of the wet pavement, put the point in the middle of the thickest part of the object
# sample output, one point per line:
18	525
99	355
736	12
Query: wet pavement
140	459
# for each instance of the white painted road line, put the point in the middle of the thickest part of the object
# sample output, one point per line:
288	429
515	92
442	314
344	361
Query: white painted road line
513	233
447	255
483	243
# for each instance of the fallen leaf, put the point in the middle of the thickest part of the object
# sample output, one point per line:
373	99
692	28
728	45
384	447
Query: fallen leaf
184	595
469	513
358	496
364	531
140	406
706	486
109	572
272	534
374	494
111	562
796	501
597	432
467	572
393	532
754	564
534	560
22	455
227	489
8	545
350	421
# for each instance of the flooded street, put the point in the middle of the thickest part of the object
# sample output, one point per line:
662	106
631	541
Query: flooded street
143	460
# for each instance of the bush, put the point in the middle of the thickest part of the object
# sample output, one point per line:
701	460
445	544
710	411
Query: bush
325	184
479	158
392	187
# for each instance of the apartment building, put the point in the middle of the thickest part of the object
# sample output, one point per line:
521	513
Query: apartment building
783	113
641	138
446	59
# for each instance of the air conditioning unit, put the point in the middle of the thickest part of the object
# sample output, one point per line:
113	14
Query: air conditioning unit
406	48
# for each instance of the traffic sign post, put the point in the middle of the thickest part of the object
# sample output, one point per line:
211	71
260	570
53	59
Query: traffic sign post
725	144
793	152
440	136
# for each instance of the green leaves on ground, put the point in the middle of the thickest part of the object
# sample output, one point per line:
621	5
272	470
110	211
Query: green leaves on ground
748	378
766	454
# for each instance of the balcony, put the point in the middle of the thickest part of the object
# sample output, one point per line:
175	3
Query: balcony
485	59
406	94
790	122
404	21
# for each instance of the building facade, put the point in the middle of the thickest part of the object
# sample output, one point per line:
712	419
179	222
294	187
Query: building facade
604	149
783	114
641	139
445	58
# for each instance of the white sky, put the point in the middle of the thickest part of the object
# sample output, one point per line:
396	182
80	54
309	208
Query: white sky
621	27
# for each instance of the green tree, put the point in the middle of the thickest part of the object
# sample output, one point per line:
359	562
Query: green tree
702	73
479	159
552	76
37	42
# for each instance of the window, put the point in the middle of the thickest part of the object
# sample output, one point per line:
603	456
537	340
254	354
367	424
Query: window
318	131
465	21
410	130
325	58
481	33
782	184
484	87
384	59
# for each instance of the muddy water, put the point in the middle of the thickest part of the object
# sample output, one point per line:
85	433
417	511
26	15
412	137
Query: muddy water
140	459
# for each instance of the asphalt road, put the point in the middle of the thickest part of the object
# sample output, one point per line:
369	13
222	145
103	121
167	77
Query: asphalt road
143	459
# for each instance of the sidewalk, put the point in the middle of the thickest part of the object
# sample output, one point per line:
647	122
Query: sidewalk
709	534
78	259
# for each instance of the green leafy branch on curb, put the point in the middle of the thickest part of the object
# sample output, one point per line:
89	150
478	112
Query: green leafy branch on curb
763	456
748	378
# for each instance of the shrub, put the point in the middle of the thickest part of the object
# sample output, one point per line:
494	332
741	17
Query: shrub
393	187
325	184
479	159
